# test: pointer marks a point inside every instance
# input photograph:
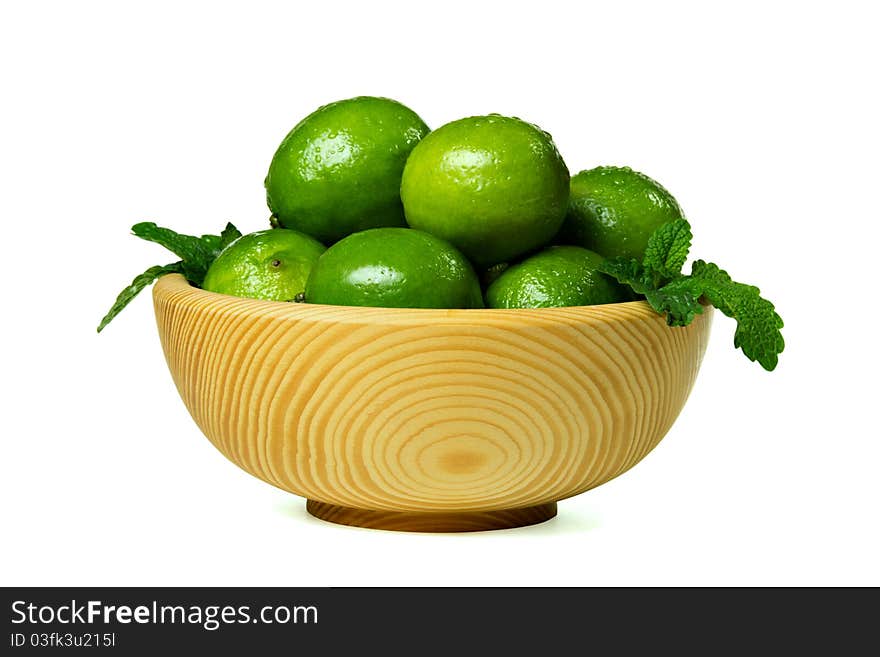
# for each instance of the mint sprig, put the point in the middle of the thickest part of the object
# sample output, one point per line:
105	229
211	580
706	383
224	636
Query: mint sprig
668	249
680	297
139	283
196	255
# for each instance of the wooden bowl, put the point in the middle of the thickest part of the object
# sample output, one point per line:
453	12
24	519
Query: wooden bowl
427	420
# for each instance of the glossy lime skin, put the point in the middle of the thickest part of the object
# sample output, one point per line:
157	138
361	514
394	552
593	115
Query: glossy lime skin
338	171
556	277
394	268
493	186
614	210
269	264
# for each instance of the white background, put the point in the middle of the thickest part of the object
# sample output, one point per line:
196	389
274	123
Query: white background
762	119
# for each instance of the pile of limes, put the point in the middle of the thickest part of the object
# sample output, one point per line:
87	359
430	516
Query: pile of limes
371	208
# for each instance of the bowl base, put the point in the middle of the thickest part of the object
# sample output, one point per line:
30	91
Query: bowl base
440	521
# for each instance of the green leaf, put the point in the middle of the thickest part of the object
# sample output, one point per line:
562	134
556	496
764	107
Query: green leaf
192	250
709	271
211	243
757	322
679	300
138	284
668	249
216	243
229	235
196	254
758	326
629	272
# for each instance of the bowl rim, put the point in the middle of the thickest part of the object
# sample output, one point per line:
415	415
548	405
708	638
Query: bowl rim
174	288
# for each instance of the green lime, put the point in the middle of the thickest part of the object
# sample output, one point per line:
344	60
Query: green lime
614	210
394	268
338	171
555	277
269	264
493	186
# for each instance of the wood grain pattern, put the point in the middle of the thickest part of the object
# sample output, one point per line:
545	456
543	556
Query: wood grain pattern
438	521
426	411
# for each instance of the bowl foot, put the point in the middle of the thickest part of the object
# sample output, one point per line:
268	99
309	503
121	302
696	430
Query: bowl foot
440	521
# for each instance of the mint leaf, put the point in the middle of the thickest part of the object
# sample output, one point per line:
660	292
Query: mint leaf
757	322
210	243
668	249
709	271
195	251
629	272
229	235
139	283
679	300
196	255
679	297
216	243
